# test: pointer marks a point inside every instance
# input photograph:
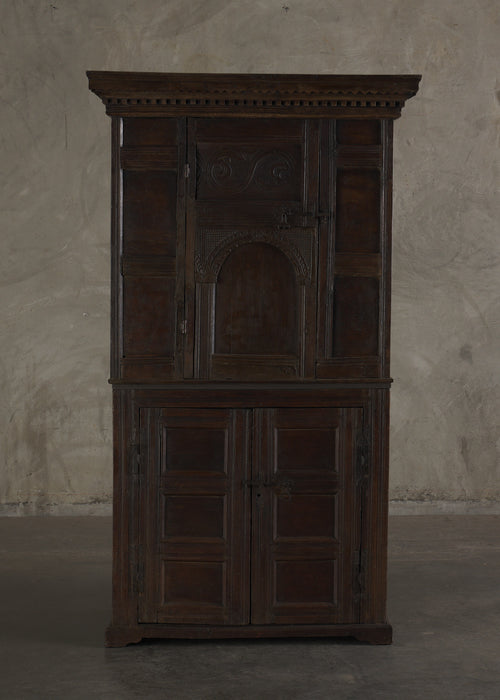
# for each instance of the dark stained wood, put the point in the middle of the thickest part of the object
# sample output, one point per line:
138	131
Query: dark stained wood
197	554
256	300
370	634
303	515
251	251
231	94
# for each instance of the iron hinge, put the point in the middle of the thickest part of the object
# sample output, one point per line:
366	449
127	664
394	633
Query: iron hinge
187	170
183	327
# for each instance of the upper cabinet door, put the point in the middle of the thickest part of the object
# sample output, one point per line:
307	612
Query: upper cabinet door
251	252
148	229
354	270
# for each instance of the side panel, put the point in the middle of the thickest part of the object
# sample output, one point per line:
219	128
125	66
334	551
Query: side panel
354	275
149	155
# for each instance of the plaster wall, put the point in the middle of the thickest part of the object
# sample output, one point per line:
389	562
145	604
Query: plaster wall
55	407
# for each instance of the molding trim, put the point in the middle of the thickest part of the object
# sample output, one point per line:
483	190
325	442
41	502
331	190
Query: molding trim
232	94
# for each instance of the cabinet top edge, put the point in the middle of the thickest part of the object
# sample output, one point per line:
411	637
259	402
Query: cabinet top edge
261	94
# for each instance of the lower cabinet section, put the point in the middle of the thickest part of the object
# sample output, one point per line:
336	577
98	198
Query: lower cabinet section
247	519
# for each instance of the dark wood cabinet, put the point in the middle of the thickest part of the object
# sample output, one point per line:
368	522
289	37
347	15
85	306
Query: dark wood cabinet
251	229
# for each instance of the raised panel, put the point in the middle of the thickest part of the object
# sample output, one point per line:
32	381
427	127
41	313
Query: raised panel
306	448
357	227
193	584
306	517
305	582
195	449
194	517
357	132
149	212
256	303
138	131
148	316
356	317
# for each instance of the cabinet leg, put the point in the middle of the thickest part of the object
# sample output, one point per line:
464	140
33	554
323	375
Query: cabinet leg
121	636
376	634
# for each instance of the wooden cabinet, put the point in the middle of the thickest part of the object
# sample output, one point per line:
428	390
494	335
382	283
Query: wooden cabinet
251	227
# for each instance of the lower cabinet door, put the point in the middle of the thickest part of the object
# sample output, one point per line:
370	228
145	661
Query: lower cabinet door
195	516
306	522
249	516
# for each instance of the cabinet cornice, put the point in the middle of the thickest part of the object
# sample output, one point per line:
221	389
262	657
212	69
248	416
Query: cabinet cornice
230	94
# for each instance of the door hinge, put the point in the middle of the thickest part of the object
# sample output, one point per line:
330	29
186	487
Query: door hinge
183	327
187	170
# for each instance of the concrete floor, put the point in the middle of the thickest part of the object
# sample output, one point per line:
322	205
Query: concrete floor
444	604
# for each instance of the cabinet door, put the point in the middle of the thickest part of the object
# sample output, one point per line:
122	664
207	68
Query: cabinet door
195	517
306	523
251	248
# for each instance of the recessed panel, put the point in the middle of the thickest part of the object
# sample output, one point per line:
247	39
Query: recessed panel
358	132
149	132
256	303
149	212
194	449
306	581
197	517
193	583
305	516
243	129
148	316
305	448
357	227
356	316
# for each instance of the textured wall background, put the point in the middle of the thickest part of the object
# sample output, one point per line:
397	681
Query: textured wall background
55	402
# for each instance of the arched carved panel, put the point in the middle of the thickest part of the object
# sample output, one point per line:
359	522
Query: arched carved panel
256	303
214	246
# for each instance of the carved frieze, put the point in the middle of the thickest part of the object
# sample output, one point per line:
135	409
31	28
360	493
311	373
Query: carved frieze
259	173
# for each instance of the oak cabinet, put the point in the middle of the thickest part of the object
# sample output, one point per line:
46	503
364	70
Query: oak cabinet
251	228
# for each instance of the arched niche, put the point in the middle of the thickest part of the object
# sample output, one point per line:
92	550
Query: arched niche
256	303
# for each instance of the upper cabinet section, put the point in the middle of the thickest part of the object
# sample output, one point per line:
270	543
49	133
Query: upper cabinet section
251	225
